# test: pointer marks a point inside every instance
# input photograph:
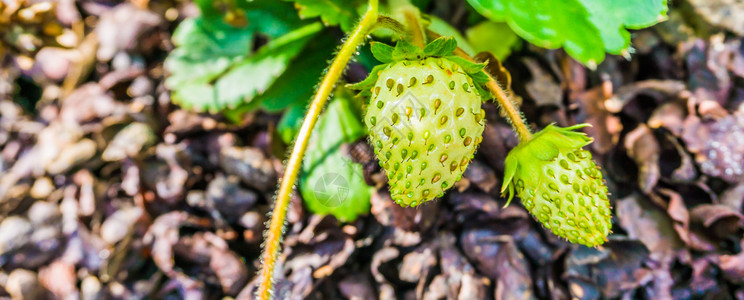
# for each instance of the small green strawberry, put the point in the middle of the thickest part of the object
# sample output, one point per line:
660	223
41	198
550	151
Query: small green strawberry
424	117
560	185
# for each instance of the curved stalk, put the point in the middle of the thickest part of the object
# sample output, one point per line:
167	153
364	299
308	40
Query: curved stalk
391	24
272	244
411	16
513	114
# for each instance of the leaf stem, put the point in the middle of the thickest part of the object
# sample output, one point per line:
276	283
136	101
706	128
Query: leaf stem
272	243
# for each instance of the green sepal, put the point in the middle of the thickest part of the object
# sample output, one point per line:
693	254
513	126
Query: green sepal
509	172
365	85
543	149
440	47
467	66
560	185
406	51
382	52
544	146
476	72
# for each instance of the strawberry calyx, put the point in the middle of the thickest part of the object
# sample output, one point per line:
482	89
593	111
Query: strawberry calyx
442	47
544	146
560	185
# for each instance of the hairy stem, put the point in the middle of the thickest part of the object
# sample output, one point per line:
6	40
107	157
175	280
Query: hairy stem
411	14
272	243
393	25
513	114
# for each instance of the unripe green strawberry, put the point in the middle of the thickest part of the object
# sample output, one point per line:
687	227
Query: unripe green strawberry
425	120
560	185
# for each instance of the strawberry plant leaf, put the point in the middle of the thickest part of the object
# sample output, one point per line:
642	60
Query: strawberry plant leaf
494	37
204	50
231	78
586	29
212	53
612	17
257	73
295	86
272	18
331	183
331	12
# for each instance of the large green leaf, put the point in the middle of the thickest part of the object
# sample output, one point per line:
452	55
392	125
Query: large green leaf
204	50
494	37
269	17
297	85
211	72
584	28
613	17
330	182
332	12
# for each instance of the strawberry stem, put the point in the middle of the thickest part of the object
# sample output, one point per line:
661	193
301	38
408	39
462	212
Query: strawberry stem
272	244
513	114
391	24
411	14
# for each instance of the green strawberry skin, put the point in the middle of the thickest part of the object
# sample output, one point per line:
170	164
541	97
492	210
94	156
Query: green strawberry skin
560	185
425	123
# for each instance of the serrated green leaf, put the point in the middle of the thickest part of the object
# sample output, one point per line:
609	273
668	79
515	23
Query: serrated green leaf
204	50
584	28
382	52
241	79
330	182
612	17
332	12
297	84
494	37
